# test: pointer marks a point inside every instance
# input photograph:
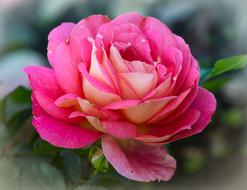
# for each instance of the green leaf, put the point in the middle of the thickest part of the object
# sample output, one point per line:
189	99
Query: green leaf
29	174
41	147
69	164
98	160
89	187
47	177
215	84
107	180
16	108
228	64
17	101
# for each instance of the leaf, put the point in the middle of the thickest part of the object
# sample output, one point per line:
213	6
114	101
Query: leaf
89	187
44	177
16	108
17	101
69	164
107	180
228	64
21	175
213	85
41	147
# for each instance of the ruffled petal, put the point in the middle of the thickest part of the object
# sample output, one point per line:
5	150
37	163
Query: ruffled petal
173	105
49	106
144	111
66	69
57	36
62	134
141	83
120	129
43	80
165	132
159	36
205	103
131	17
138	161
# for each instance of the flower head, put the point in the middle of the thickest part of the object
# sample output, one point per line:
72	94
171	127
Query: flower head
130	82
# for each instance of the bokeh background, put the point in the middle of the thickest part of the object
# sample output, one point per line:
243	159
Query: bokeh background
214	29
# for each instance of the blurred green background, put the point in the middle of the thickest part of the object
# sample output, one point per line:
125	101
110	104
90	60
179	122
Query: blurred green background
214	29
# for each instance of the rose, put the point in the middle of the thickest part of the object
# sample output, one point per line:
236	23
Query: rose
128	81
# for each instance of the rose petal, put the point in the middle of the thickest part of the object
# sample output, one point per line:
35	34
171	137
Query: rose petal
57	36
93	23
95	89
123	104
141	83
138	161
144	111
205	103
159	36
131	17
169	108
164	132
117	61
43	80
49	106
119	129
67	100
66	69
62	134
186	63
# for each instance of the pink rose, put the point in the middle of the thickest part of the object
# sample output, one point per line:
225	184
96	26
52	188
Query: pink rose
130	82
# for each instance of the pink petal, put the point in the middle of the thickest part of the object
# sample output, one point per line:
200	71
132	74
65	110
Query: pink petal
141	83
173	105
181	108
123	104
97	70
94	81
117	61
80	46
165	132
205	103
48	105
187	58
124	29
43	80
66	69
144	111
131	17
161	90
88	108
159	36
139	48
62	134
172	59
57	36
93	23
139	66
138	161
192	76
94	89
119	129
111	71
67	100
